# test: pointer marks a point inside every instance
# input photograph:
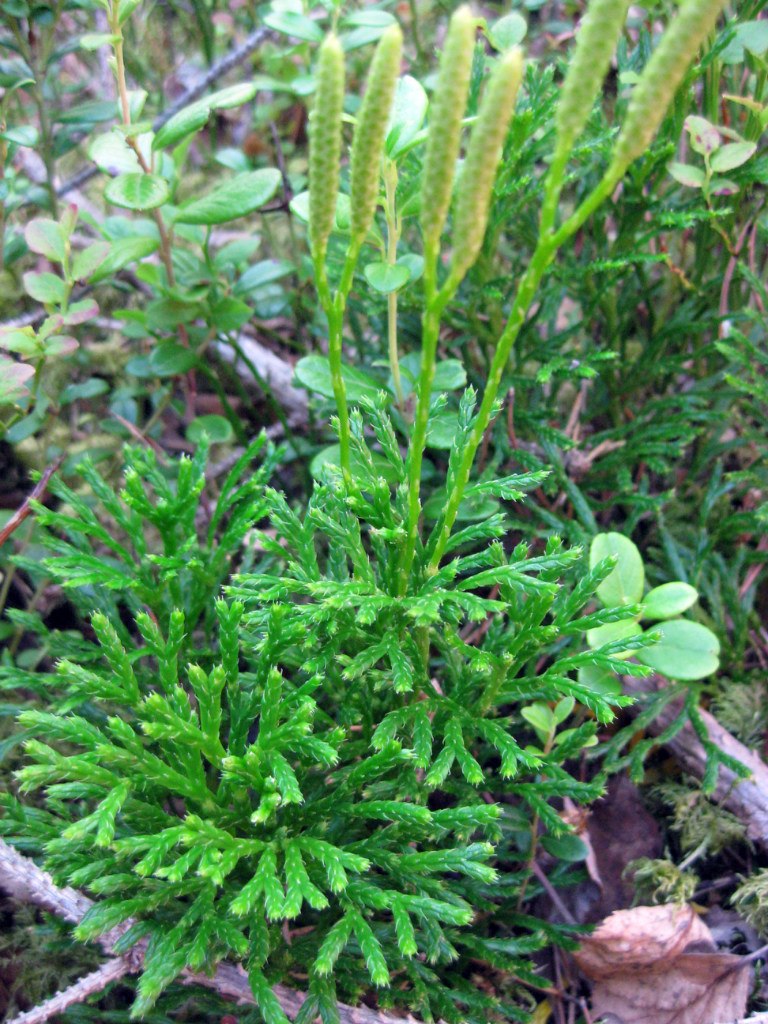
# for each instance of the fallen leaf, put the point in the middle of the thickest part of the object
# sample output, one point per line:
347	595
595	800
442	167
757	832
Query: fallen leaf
659	965
578	818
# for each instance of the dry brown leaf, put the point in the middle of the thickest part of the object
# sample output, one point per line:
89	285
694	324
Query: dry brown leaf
659	965
578	818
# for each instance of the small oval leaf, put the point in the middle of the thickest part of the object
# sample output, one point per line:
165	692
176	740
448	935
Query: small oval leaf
137	191
217	428
731	156
46	237
508	31
669	600
409	109
193	117
122	252
314	372
687	174
386	277
611	631
236	198
687	650
625	583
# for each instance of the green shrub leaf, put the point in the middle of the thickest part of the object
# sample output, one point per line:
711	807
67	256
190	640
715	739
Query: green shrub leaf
236	198
686	651
137	191
625	583
669	600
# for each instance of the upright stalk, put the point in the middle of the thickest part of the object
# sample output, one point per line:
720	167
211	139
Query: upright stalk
334	307
430	331
125	110
393	237
37	53
543	255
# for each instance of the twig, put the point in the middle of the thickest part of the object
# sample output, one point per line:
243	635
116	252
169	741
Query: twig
272	370
728	275
25	508
24	880
747	799
572	426
134	431
280	160
219	69
756	954
552	893
90	985
754	570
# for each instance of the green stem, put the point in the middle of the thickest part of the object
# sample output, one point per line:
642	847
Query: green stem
754	129
543	255
429	337
334	307
420	52
122	89
553	186
393	236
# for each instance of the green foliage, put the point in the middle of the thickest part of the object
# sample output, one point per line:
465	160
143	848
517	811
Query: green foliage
339	771
212	787
742	709
36	348
751	900
683	649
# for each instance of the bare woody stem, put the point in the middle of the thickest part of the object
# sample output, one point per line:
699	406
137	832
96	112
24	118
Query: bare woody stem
24	880
90	985
125	109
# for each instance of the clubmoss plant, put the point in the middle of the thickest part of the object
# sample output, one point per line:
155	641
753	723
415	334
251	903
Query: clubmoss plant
595	45
660	79
334	773
482	161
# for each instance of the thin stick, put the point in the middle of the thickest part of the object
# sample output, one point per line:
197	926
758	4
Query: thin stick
90	985
552	893
25	508
24	880
747	799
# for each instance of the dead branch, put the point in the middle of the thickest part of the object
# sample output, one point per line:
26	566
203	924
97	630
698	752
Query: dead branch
272	373
747	799
25	508
25	881
90	985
